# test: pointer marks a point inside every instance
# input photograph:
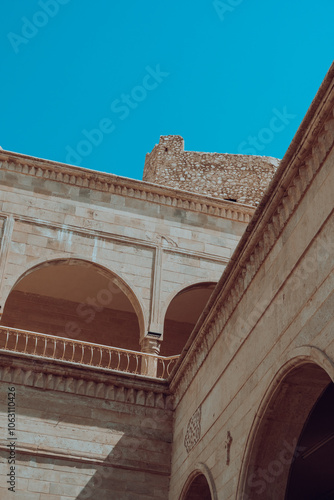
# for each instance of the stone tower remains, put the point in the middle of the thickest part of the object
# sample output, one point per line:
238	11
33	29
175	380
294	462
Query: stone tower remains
233	177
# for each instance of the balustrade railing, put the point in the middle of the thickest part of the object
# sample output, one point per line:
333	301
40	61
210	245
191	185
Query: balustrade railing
49	347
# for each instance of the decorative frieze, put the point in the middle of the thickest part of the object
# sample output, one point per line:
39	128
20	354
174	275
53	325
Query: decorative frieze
109	387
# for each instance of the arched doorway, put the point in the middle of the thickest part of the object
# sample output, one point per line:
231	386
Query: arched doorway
182	315
75	299
278	446
199	489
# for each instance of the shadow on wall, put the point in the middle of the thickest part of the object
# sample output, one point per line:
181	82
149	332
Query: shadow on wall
87	448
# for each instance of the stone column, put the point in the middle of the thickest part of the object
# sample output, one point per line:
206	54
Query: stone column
149	365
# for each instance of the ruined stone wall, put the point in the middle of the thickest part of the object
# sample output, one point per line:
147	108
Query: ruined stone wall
238	178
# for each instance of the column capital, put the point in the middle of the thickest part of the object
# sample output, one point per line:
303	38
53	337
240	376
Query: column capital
150	345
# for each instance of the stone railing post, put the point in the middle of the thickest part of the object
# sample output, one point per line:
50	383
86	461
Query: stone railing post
150	363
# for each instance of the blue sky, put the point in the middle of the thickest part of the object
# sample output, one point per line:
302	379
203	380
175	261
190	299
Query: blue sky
96	83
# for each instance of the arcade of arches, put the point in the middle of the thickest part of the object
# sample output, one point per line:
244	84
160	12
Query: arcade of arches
79	300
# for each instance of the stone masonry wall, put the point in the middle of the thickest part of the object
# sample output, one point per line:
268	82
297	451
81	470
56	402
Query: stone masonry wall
80	439
278	316
156	248
238	178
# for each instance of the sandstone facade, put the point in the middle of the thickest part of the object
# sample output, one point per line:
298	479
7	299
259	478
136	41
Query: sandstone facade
244	411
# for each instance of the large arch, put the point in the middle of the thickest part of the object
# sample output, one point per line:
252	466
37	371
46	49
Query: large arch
183	311
311	474
274	441
75	298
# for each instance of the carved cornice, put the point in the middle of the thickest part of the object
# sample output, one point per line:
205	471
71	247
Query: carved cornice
84	382
304	158
122	186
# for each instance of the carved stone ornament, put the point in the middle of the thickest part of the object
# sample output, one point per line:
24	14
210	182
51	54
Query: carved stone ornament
193	433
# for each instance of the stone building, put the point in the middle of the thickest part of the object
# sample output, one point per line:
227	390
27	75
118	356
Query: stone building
170	338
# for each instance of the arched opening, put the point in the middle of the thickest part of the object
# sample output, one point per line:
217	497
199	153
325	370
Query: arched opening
199	489
182	315
280	449
311	474
74	299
